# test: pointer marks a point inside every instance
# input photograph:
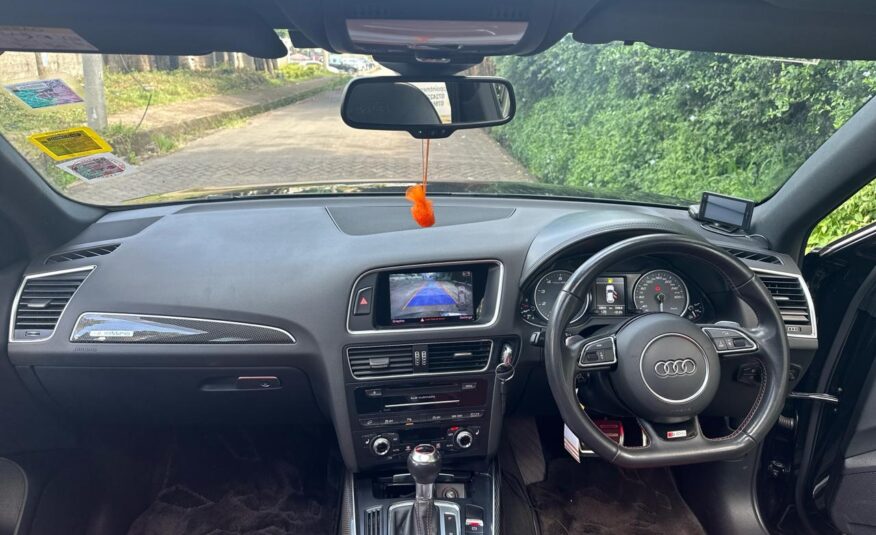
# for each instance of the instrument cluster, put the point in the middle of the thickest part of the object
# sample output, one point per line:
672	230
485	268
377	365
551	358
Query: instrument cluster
622	293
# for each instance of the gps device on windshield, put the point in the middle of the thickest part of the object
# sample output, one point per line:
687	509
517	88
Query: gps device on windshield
725	211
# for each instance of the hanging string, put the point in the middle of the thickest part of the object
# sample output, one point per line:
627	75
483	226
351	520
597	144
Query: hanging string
421	209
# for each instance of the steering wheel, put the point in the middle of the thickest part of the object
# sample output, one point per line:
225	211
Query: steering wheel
664	368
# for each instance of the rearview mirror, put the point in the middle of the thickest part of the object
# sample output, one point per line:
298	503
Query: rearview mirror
427	107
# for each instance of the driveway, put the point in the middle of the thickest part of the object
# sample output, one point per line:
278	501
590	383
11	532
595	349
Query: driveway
306	142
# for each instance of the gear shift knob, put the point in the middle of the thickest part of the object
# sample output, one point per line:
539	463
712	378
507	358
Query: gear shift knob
424	463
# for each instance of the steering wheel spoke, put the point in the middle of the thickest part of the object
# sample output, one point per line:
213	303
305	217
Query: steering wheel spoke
731	339
593	354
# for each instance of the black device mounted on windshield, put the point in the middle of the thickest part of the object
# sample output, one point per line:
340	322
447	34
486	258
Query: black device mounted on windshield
726	213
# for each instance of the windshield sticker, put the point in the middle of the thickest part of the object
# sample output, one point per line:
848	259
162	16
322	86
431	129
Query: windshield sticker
99	166
71	143
41	39
44	93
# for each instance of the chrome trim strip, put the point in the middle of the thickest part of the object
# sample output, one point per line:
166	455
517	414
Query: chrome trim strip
157	316
444	402
14	311
849	239
487	325
421	374
806	293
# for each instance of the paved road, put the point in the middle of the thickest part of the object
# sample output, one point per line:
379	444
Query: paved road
306	142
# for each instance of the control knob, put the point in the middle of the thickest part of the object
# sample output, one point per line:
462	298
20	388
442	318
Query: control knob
380	446
464	439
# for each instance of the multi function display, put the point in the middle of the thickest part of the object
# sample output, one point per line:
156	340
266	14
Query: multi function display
433	296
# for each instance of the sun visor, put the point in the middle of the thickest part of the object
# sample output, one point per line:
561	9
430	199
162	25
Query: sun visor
154	28
735	26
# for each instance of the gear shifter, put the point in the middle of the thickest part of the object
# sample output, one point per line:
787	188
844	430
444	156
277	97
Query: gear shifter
422	518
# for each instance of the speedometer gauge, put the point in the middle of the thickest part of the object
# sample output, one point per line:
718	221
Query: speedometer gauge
661	291
548	290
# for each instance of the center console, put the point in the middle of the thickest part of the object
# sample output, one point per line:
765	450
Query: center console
434	387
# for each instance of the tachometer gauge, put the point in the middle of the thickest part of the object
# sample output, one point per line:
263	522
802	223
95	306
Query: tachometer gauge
548	289
661	291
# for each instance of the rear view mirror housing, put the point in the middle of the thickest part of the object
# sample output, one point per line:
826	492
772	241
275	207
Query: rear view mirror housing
427	107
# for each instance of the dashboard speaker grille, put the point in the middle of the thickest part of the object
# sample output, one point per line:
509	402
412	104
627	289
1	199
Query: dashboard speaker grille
42	300
459	356
791	299
79	254
381	361
754	255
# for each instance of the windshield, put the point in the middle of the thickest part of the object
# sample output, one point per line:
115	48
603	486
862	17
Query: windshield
609	121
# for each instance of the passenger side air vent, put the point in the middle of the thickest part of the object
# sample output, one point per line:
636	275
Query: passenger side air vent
79	254
791	298
753	255
41	301
373	520
459	356
381	361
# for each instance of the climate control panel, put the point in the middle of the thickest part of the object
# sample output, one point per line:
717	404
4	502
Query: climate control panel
397	445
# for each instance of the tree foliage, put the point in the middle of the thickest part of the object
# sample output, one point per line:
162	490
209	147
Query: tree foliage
625	120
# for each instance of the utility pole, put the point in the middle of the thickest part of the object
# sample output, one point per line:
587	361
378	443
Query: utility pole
95	100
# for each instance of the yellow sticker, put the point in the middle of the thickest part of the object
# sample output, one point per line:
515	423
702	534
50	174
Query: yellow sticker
70	143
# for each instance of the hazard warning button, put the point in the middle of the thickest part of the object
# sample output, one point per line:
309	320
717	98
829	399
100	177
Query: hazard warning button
362	305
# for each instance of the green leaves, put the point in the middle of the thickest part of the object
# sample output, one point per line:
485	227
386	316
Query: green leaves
630	119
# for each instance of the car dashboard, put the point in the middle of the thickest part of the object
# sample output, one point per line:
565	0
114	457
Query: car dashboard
341	309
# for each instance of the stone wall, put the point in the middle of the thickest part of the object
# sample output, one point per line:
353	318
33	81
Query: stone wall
24	66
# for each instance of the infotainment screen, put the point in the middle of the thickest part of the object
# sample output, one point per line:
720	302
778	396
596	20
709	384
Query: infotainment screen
432	296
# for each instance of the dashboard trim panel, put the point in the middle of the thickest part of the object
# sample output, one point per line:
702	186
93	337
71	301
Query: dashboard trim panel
123	316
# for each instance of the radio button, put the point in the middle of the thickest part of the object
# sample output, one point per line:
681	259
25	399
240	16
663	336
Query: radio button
469	386
373	392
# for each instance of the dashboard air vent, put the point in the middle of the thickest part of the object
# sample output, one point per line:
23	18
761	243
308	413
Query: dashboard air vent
459	356
79	254
42	300
753	255
372	521
791	299
381	361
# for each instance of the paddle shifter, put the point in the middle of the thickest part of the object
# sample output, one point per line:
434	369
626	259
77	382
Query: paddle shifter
423	516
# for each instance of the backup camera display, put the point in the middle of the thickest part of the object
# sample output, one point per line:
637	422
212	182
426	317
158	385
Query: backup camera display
431	296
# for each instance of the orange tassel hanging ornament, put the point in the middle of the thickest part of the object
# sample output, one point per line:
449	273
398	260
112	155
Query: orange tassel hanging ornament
422	207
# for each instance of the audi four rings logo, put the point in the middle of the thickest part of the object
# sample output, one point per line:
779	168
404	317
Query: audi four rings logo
675	368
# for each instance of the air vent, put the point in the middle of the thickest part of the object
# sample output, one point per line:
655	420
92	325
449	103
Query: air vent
381	361
82	253
41	301
790	296
752	255
373	517
459	356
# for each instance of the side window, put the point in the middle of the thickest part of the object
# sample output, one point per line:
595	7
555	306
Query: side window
856	213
